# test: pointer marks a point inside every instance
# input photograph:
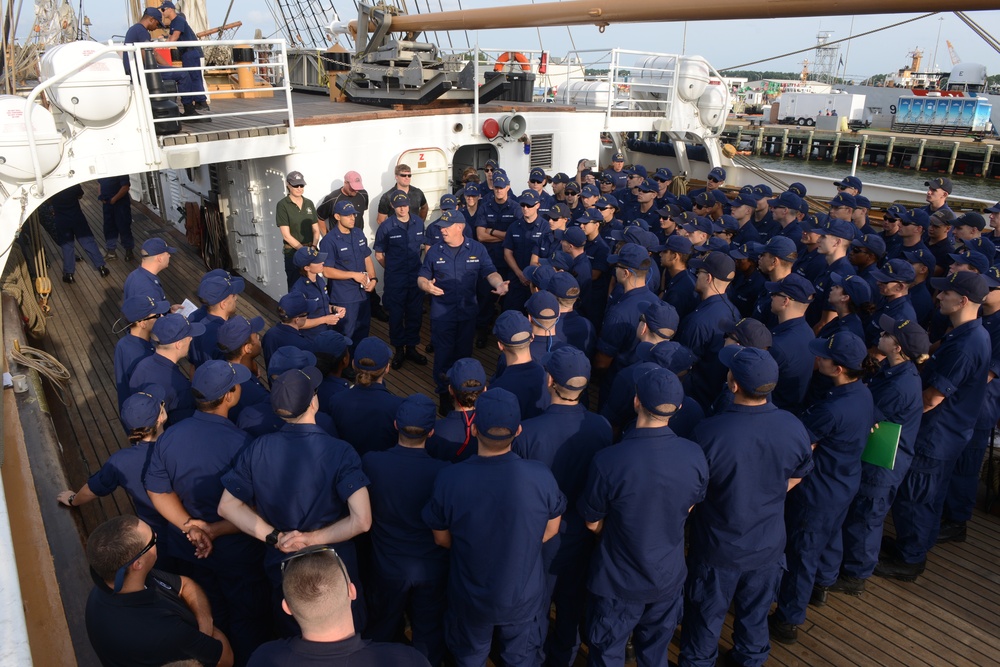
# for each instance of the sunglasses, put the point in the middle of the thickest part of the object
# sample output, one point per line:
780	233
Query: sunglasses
120	574
406	175
314	551
488	171
296	186
714	180
527	205
534	181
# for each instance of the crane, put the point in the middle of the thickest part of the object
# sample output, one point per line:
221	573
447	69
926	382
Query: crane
951	52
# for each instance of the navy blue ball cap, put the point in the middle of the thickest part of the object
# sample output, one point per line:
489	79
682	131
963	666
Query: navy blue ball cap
559	260
704	199
942	183
564	285
787	200
154	13
648	185
215	377
667	354
618	157
638	170
307	255
539	275
781	247
843	348
590	215
558	211
398	199
568	367
895	212
560	178
589	190
138	308
911	336
542	305
839	228
498	414
862	202
729	224
982	245
895	271
512	328
345	207
794	286
235	331
213	289
448	202
537	175
174	327
293	390
292	305
295	178
854	286
631	256
965	283
719	265
749	332
676	243
669	211
718	173
762	191
142	409
797	188
416	411
659	391
714	244
976	260
607	201
871	242
744	199
287	357
752	368
471	190
449	218
970	219
572	188
500	180
850	182
372	355
153	247
993	209
529	198
749	251
661	318
467	374
491	163
921	256
843	199
663	174
332	343
992	278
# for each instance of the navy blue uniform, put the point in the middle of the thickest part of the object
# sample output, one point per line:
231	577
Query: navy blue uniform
330	387
71	224
117	216
679	293
746	234
252	392
642	488
821	302
922	302
898	309
529	383
364	417
744	291
401	243
280	335
299	478
206	346
521	239
496	509
498	217
618	335
157	369
597	252
347	252
189	460
452	440
816	508
619	409
129	351
738	533
701	332
578	332
142	283
565	438
457	271
318	300
896	391
958	369
259	419
190	57
126	469
790	348
410	569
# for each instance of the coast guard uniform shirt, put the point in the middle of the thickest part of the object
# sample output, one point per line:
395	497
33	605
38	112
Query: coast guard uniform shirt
157	369
126	469
528	381
790	348
280	335
142	283
129	351
452	440
365	416
456	271
318	300
346	252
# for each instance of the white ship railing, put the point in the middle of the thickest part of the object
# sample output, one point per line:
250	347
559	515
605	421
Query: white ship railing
278	72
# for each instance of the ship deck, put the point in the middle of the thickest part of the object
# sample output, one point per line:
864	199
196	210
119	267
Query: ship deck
948	618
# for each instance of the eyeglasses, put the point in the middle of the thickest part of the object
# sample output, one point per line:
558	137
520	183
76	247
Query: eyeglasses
405	175
314	551
488	170
714	180
841	187
123	570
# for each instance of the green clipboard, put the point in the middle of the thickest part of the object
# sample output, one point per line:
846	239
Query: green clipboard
883	443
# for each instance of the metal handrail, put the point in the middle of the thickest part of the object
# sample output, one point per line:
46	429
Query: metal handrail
133	52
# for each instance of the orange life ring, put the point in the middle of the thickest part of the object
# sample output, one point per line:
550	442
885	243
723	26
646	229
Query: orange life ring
516	56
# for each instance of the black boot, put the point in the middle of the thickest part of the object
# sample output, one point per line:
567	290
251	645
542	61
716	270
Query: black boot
818	597
104	271
399	358
897	569
129	255
68	278
414	356
378	312
952	531
849	585
785	633
192	115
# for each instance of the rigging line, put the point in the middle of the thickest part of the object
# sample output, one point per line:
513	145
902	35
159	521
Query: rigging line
979	30
224	21
310	25
468	44
447	32
836	41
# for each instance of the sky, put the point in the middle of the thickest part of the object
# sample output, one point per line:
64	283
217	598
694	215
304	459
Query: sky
725	44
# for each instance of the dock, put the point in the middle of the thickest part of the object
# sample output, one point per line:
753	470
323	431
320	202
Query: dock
949	155
947	618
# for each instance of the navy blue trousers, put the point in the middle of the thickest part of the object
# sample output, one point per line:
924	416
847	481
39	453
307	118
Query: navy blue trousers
193	82
964	483
452	341
118	224
423	601
565	580
356	322
610	621
470	641
709	592
862	532
75	228
404	302
813	554
917	509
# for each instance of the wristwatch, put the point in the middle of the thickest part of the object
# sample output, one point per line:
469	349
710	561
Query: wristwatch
272	538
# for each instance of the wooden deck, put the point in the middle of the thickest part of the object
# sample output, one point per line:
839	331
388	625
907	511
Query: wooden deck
948	618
